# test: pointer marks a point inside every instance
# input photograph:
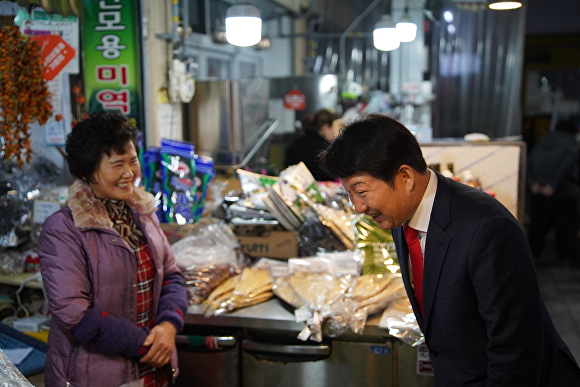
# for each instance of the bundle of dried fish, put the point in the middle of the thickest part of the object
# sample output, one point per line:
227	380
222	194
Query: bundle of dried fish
285	292
370	285
201	281
253	286
370	294
317	289
379	301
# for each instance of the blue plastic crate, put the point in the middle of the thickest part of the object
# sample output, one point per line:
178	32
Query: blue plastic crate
11	338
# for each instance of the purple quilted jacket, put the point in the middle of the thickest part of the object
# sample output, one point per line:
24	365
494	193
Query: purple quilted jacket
86	265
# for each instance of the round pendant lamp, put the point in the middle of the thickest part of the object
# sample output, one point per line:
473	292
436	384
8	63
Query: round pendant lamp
385	35
406	28
500	5
243	24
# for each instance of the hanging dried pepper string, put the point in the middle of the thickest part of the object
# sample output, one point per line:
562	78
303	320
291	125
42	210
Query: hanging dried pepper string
24	96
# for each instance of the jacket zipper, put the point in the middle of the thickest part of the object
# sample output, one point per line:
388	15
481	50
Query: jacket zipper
76	346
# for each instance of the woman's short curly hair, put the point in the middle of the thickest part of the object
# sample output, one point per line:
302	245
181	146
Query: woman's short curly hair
101	133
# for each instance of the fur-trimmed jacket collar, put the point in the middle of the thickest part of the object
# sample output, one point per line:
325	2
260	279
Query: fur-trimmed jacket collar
88	211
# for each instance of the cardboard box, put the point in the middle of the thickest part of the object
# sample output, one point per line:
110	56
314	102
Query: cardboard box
271	244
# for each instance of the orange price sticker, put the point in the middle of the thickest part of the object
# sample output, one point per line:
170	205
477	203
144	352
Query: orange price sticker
55	52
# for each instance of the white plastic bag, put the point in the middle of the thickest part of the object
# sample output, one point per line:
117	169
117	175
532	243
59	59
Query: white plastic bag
10	376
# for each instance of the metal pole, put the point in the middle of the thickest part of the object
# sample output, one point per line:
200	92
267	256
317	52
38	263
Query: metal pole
352	26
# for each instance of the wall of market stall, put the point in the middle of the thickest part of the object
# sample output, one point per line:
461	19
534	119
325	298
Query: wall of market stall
163	118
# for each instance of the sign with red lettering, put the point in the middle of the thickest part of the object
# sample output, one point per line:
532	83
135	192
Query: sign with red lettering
295	100
55	52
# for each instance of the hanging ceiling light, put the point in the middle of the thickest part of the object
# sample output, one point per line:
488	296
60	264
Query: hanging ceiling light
406	29
385	35
243	24
504	4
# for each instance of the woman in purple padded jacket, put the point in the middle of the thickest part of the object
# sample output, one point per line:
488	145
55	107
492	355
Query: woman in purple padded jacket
116	295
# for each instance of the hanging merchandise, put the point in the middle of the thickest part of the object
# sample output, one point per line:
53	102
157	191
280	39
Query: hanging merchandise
178	171
62	7
24	96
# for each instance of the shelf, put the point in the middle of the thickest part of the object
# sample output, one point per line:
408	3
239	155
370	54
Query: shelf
16	280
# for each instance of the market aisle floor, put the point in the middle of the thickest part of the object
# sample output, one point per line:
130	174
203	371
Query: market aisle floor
560	288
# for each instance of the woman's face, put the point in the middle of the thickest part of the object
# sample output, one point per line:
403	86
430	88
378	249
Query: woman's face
327	132
116	174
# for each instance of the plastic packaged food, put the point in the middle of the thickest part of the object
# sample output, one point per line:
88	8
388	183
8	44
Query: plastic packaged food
377	246
201	281
253	287
400	320
178	167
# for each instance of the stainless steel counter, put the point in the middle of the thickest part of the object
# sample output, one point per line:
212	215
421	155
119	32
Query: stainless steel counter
268	353
272	315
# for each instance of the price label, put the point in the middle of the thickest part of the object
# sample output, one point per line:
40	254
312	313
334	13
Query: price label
43	209
302	314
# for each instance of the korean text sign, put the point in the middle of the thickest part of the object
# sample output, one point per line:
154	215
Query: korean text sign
111	56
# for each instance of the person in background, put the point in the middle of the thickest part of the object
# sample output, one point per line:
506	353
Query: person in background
318	132
465	262
116	295
552	177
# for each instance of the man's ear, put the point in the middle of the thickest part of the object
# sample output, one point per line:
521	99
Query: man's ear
407	176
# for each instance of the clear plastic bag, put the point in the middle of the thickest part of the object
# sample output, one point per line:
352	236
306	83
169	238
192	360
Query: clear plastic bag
14	212
211	243
401	322
202	280
48	201
10	376
314	237
12	262
346	313
136	383
253	287
367	295
377	246
317	283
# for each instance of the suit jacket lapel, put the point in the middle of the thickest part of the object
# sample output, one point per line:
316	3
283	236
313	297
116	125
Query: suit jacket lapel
437	244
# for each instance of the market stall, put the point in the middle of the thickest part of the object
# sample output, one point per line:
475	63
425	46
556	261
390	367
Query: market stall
315	312
265	351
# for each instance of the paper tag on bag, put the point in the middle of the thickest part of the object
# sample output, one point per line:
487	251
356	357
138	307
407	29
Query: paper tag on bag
302	314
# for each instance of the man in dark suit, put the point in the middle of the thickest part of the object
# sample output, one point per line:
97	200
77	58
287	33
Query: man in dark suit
478	303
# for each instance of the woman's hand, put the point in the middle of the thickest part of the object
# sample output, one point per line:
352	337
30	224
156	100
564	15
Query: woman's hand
161	340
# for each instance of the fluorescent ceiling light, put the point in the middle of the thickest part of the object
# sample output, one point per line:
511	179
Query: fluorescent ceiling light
385	35
406	29
504	4
243	24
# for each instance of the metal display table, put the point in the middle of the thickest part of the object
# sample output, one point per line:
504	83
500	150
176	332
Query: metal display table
261	349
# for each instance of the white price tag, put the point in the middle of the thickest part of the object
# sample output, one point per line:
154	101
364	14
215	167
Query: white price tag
43	209
278	271
325	311
309	265
304	334
316	319
302	313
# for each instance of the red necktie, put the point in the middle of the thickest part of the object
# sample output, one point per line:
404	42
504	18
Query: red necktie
416	262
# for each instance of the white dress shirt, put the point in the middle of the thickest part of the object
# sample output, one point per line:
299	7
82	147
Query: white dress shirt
421	217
